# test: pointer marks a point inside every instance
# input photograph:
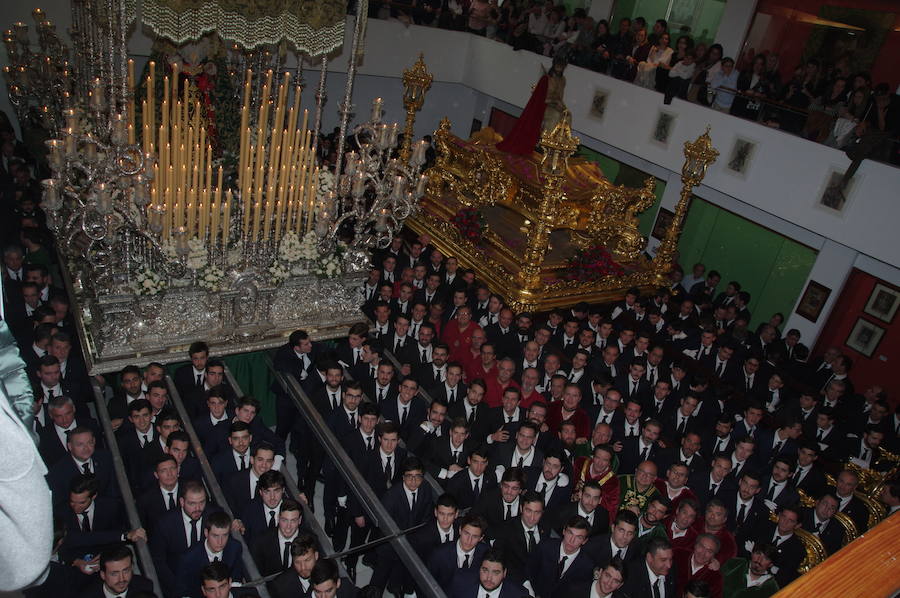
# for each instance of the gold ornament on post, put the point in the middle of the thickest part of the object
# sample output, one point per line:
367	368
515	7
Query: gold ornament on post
698	156
557	145
416	83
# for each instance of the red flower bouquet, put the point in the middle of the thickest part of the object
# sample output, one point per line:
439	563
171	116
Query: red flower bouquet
470	223
593	263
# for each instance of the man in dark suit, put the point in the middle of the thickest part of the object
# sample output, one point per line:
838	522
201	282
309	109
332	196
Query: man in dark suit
261	513
688	453
721	365
847	483
442	529
819	521
117	576
501	503
681	421
745	506
608	582
297	357
217	545
468	485
474	411
242	486
618	543
720	439
518	537
134	438
778	487
549	481
781	442
637	449
750	425
405	411
62	420
435	426
237	458
446	455
272	548
215	582
560	562
465	555
809	475
177	531
190	377
654	570
588	508
492	578
83	459
326	581
295	582
409	503
633	384
92	522
789	549
714	483
212	426
214	378
155	501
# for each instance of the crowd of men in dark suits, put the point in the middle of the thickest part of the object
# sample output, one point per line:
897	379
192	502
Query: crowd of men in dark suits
654	447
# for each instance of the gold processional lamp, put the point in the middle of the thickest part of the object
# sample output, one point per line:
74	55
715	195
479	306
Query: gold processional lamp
698	155
416	82
558	144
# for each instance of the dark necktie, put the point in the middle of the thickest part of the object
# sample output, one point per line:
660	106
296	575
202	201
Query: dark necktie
387	469
521	462
465	561
561	567
86	467
471	419
271	519
634	386
424	356
509	419
49	392
403	415
171	504
476	490
619	554
85	522
742	513
531	540
397	345
644	453
334	400
771	494
199	380
777	540
194	538
865	454
456	456
720	368
656	591
682	425
777	448
718	446
797	475
712	489
146	440
819	435
380	394
369	441
446	538
286	556
413	505
508	512
352	421
544	490
452	396
243	462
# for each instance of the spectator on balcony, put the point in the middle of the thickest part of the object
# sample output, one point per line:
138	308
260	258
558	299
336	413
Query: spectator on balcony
659	27
603	46
707	67
683	46
660	53
679	78
482	16
755	86
538	18
825	110
800	92
620	47
849	116
722	84
639	52
427	12
454	17
555	32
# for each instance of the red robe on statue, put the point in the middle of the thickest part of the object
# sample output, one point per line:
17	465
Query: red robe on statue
527	130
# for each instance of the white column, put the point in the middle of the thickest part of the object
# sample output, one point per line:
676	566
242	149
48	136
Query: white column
601	9
832	267
735	25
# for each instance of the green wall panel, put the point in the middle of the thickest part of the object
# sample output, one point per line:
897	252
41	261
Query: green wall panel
772	268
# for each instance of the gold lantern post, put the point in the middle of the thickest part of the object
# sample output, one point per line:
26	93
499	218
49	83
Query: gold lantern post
698	156
557	145
416	83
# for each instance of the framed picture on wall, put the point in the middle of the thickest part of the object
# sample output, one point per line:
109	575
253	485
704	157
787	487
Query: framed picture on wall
598	103
476	126
664	220
665	122
864	337
883	303
813	300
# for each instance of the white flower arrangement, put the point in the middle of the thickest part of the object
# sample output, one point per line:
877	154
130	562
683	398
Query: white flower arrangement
290	249
309	249
196	258
211	278
328	266
147	282
278	272
326	184
168	249
233	258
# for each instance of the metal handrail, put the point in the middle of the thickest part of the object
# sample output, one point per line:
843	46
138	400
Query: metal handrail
212	483
294	491
370	502
134	519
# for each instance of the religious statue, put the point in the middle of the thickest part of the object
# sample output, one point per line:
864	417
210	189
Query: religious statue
543	111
